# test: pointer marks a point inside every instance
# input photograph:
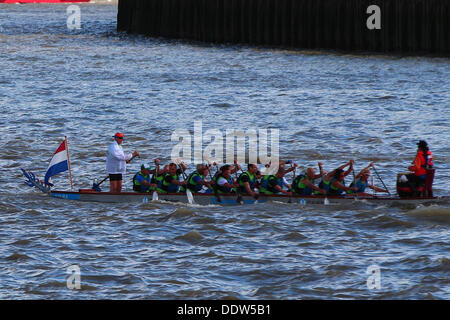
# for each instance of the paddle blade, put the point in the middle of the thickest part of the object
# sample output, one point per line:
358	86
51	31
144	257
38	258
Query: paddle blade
155	196
189	196
326	202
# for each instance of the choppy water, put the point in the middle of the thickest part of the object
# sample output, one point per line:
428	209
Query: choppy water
90	83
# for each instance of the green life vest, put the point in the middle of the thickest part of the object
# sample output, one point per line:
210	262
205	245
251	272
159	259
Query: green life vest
251	178
191	184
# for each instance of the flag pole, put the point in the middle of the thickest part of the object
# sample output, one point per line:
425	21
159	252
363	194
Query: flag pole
68	162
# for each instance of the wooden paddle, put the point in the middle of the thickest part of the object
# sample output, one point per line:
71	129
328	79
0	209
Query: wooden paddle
381	180
189	194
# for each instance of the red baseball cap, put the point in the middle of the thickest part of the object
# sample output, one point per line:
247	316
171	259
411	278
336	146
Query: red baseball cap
118	135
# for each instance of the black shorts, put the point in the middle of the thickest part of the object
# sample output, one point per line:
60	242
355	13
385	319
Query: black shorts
115	177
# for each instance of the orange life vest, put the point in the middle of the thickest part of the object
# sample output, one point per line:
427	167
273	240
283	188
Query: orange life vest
424	163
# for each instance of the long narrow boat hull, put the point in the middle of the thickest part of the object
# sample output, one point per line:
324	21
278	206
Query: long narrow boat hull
232	199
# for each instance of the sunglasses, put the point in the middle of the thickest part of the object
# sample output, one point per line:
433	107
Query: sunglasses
119	138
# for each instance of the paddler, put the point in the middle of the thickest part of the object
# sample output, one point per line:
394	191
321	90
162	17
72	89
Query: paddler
248	181
362	182
197	179
334	183
116	160
171	180
303	184
273	184
142	180
158	176
224	182
233	169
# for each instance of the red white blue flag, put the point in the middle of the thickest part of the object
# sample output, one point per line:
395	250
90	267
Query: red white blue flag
59	162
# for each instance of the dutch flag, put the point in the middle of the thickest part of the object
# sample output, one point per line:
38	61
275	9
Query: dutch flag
59	162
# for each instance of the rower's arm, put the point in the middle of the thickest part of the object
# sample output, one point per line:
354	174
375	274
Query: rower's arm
204	182
248	189
339	185
350	168
278	188
177	182
345	165
312	186
183	166
416	164
157	169
317	176
236	168
146	183
321	171
364	170
377	189
291	168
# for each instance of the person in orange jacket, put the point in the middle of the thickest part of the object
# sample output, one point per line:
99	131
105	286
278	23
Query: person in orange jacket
422	162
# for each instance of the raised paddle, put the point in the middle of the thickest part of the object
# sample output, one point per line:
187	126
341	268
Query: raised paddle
325	201
239	196
216	194
354	183
189	195
293	178
155	193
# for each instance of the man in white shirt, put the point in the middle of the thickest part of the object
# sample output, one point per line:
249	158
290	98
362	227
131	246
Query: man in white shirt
116	161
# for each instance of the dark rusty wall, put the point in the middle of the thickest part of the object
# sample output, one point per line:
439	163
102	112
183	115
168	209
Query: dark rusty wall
408	26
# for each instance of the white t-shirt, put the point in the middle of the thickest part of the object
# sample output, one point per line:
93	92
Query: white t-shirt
115	159
221	181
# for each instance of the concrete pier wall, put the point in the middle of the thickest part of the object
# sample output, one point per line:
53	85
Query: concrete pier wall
407	26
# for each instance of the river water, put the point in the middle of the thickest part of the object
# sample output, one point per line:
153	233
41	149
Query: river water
87	84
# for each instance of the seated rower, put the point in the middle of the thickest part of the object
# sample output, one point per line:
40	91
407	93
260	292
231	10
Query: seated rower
258	180
142	180
292	168
334	183
224	182
171	180
273	184
197	179
304	183
158	176
247	180
362	183
234	168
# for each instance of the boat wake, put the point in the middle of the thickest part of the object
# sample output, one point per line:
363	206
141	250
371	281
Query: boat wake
434	212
